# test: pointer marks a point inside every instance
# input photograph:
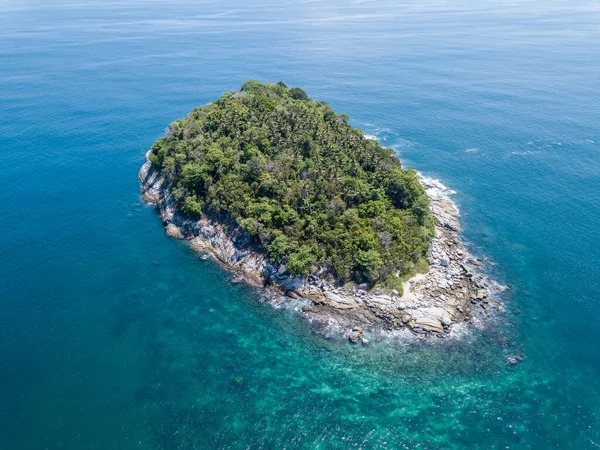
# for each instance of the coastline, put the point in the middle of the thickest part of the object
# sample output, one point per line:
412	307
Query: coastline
448	294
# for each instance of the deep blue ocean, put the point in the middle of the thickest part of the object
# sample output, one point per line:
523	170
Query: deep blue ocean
113	336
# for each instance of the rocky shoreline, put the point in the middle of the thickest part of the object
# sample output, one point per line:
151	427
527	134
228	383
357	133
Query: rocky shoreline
432	303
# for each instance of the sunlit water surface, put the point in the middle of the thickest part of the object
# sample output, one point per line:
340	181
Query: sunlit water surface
114	336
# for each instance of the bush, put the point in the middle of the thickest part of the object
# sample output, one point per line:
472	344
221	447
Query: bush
298	94
399	287
299	262
249	225
192	207
278	248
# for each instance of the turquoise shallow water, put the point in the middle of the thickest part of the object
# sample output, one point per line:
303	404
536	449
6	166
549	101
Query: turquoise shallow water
114	336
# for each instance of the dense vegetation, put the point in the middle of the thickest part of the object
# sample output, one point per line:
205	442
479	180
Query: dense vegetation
310	189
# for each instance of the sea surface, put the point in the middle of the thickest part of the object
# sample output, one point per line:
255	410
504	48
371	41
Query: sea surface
113	336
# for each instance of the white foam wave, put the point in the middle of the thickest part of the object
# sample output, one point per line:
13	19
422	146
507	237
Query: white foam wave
434	187
522	153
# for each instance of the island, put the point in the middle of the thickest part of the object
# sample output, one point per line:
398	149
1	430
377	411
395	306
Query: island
285	193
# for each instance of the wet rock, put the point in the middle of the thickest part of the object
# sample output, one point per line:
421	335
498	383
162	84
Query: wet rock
406	318
174	231
473	261
356	335
365	342
512	360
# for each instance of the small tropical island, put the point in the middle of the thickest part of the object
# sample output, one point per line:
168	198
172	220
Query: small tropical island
285	193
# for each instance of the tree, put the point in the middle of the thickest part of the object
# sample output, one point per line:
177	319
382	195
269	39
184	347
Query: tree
298	94
299	262
309	189
369	262
192	207
278	248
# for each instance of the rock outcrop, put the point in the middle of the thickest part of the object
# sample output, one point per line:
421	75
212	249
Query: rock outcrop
431	303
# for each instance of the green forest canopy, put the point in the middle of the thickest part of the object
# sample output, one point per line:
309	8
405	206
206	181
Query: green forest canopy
310	189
